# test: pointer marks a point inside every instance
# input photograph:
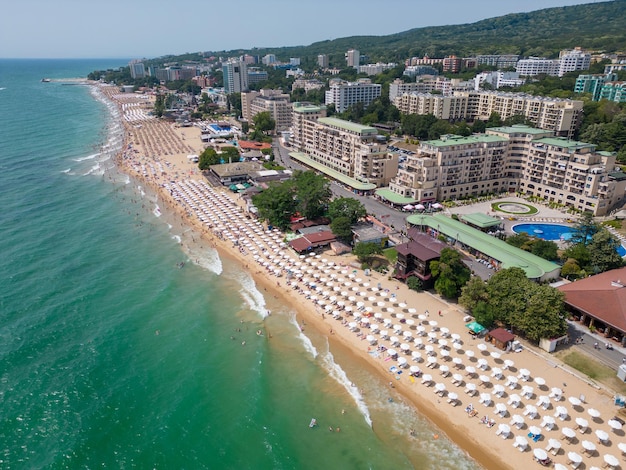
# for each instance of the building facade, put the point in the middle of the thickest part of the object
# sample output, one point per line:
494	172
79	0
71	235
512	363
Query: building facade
559	115
322	61
275	102
235	76
137	69
502	61
537	66
348	148
593	84
302	112
515	158
353	58
344	94
570	61
614	91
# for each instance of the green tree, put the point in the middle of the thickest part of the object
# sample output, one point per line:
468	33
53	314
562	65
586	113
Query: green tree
230	154
276	204
579	253
603	252
545	249
520	240
507	291
414	283
472	293
347	207
263	122
342	228
207	158
313	193
584	229
484	314
365	251
159	105
450	273
571	270
544	316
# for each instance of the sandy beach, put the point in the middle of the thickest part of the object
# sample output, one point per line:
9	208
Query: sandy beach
375	317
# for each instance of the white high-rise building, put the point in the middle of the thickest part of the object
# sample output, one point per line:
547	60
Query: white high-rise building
235	76
353	58
570	61
344	94
537	66
137	69
322	61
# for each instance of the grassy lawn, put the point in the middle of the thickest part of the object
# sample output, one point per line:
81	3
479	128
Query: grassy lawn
592	369
391	254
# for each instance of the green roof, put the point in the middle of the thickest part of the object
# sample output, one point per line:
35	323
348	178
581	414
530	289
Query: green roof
517	129
395	198
449	140
307	107
508	255
334	174
562	142
481	220
348	125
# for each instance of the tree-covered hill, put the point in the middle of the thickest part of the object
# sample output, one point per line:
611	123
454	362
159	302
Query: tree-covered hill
594	26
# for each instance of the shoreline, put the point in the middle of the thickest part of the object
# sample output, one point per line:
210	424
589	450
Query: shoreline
157	168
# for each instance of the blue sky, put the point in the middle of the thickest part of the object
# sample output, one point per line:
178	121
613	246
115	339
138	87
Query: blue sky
148	28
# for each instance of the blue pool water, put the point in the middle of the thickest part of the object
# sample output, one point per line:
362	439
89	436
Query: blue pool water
218	128
552	232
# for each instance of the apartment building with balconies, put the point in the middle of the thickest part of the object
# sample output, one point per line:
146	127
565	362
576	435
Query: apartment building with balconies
514	158
275	102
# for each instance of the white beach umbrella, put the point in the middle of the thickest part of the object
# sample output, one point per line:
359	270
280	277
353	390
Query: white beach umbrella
402	361
452	396
482	363
614	424
414	370
593	413
429	349
582	422
568	432
392	352
602	436
445	354
573	400
498	389
427	378
622	446
540	454
457	361
484	379
611	460
482	346
495	355
371	339
470	370
508	363
540	381
405	347
501	409
432	360
444	370
588	446
521	442
440	387
574	457
469	353
527	391
394	340
416	355
534	430
517	420
352	325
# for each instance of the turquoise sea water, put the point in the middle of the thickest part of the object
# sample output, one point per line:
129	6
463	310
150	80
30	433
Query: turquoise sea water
112	357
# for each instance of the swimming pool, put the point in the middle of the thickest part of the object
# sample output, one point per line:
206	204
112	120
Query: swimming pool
552	232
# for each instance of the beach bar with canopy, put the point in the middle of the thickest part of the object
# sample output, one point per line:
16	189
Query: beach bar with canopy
482	222
475	328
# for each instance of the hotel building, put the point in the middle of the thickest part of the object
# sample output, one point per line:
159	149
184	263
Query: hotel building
559	115
353	58
275	102
235	76
515	158
344	94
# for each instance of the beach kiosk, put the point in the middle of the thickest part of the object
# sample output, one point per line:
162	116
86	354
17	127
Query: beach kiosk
500	338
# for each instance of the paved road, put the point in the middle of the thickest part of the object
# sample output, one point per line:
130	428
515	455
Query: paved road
586	341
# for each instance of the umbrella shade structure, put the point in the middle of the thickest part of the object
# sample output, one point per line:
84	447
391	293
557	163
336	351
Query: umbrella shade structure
560	466
614	424
495	354
521	441
484	379
574	457
553	445
611	460
511	382
414	370
508	363
602	436
475	327
394	340
429	349
427	378
402	361
622	446
514	400
501	409
482	347
416	355
517	420
457	361
469	353
405	347
452	398
470	370
593	413
548	422
457	379
504	430
432	360
574	401
470	388
534	430
445	370
370	339
392	352
582	423
482	363
540	454
588	446
485	399
498	390
556	393
544	402
496	372
524	373
540	381
561	412
568	432
440	387
528	391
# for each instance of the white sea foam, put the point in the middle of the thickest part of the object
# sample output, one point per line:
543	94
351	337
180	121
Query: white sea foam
66	171
208	259
88	157
3	88
177	239
95	170
157	212
251	294
337	373
306	342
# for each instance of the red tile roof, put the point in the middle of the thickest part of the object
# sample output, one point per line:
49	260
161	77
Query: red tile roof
312	240
500	334
602	296
251	145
